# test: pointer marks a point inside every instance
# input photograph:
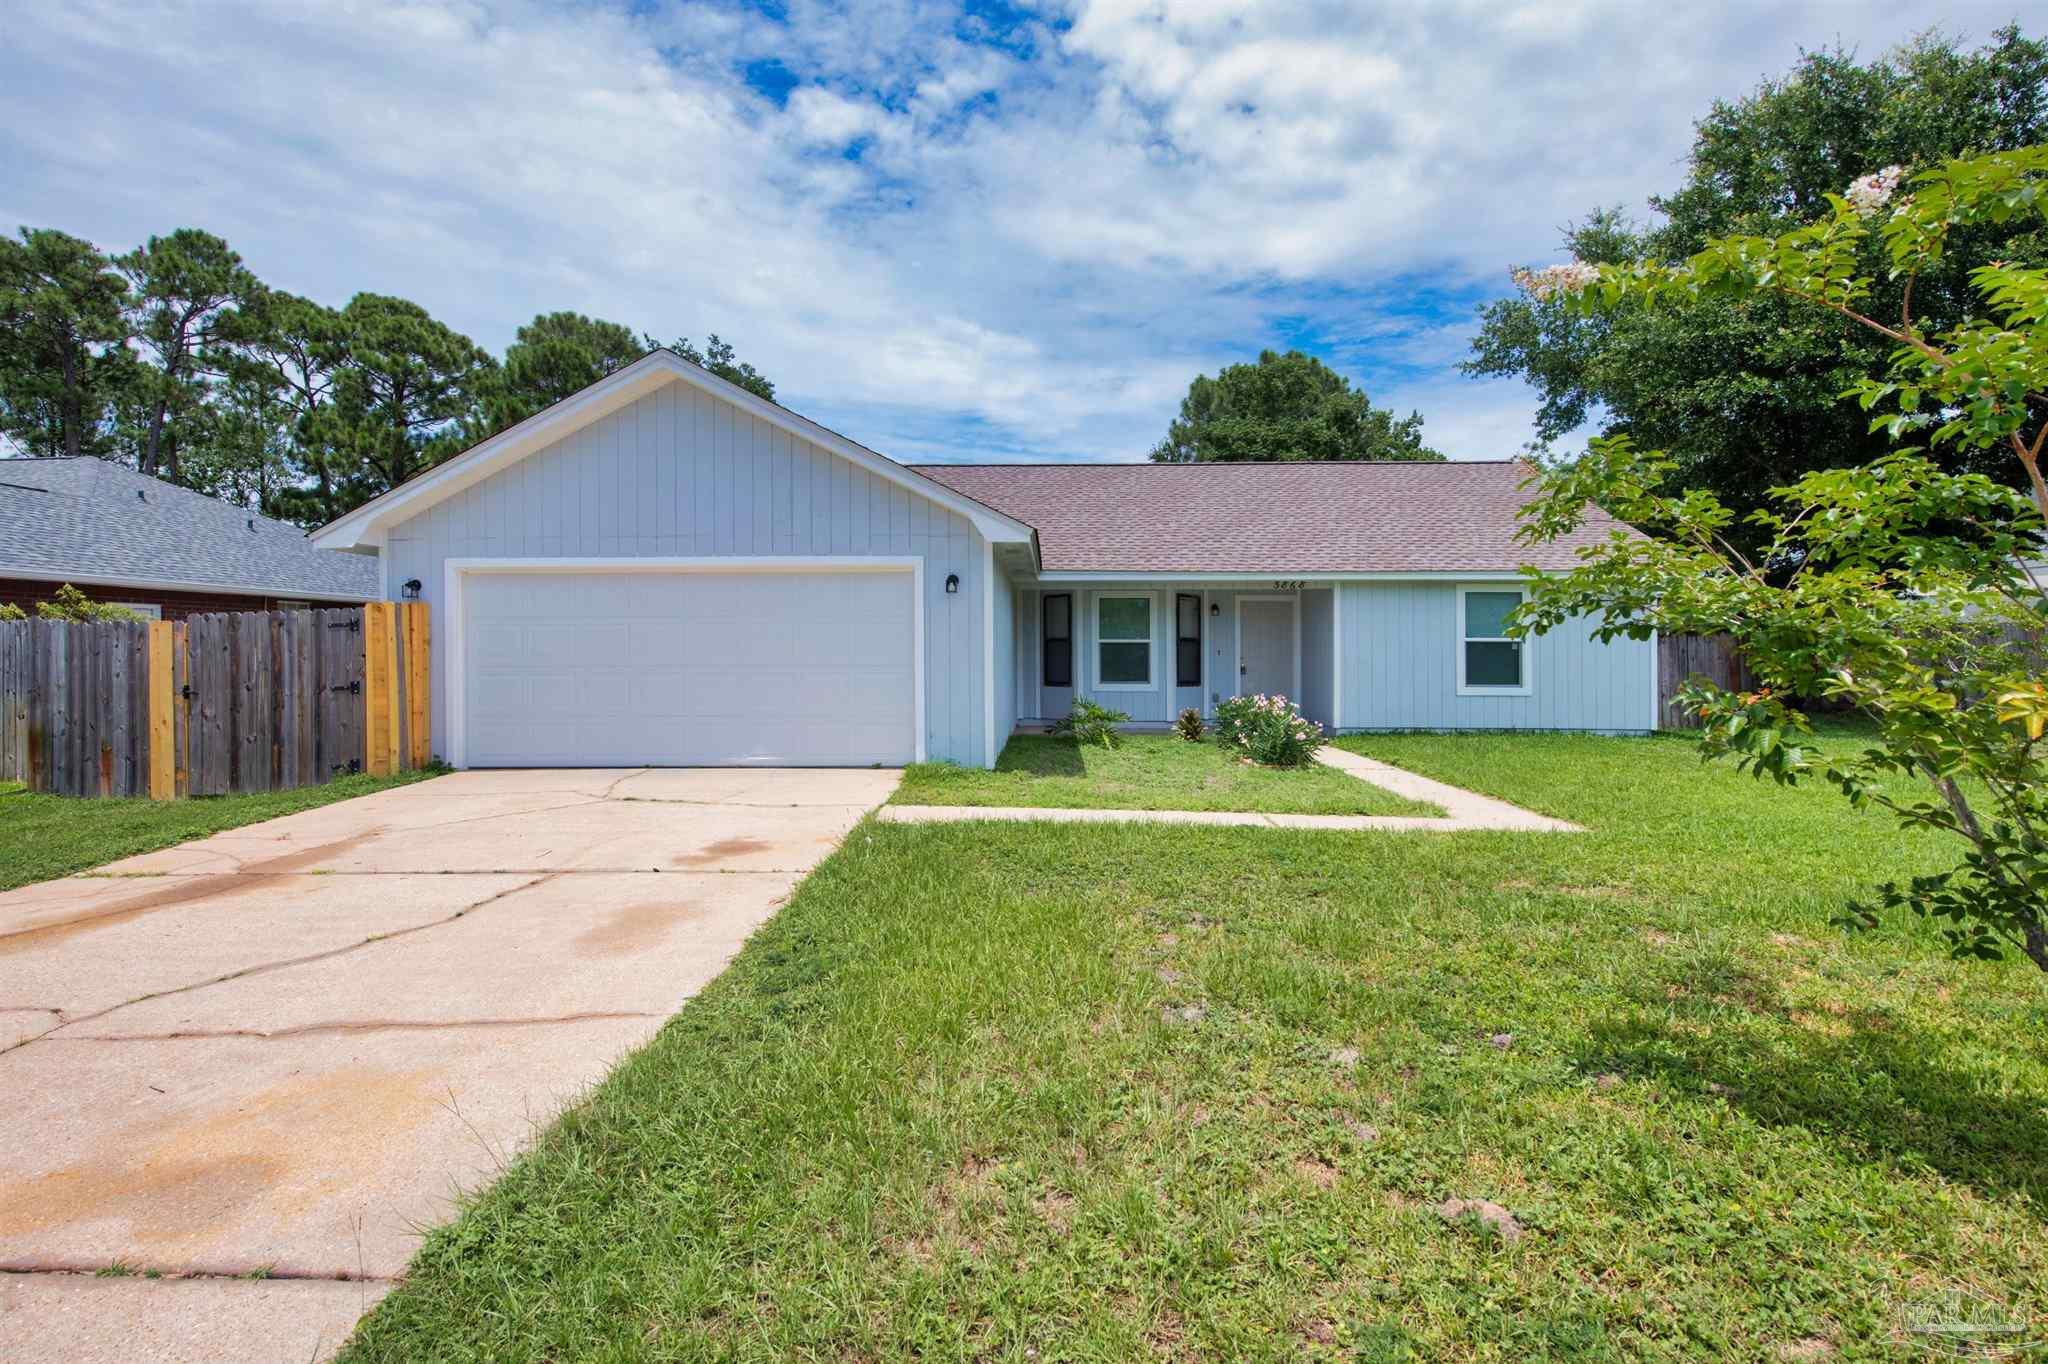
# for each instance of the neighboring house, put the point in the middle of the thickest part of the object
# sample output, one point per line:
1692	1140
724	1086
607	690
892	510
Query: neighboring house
167	552
666	569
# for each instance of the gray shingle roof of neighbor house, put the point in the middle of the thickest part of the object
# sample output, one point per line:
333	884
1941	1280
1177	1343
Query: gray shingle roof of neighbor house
83	518
1279	519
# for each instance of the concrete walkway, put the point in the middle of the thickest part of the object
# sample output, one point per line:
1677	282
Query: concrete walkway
1463	810
285	1048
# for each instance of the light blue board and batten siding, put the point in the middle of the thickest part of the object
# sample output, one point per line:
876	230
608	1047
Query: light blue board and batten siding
1154	705
1318	607
1005	658
1400	645
679	473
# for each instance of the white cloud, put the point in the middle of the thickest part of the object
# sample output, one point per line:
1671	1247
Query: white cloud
936	243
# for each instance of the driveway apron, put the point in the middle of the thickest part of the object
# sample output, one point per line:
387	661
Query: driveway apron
284	1050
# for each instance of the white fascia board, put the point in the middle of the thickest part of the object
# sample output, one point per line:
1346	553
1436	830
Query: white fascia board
1282	575
44	575
366	524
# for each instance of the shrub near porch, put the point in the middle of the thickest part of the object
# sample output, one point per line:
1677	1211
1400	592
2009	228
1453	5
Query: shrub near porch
1146	772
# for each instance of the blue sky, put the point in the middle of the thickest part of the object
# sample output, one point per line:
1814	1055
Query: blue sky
979	231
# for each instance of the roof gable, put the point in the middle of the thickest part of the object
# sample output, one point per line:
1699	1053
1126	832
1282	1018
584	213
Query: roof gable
1274	519
365	526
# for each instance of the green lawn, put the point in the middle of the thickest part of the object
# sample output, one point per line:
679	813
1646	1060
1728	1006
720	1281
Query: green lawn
1057	1092
1146	772
42	837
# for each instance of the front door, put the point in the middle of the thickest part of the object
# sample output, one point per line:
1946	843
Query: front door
1265	647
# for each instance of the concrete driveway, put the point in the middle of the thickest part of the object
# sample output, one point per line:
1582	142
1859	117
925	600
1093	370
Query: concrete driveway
284	1048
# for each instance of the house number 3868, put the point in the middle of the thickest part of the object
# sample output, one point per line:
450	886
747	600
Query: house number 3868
1287	584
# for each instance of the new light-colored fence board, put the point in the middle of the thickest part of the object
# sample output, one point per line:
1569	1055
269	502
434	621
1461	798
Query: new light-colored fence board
1680	657
242	701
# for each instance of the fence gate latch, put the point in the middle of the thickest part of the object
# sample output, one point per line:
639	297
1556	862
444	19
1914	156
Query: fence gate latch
186	691
352	766
352	688
352	626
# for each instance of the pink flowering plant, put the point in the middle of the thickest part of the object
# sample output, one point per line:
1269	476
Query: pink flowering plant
1267	729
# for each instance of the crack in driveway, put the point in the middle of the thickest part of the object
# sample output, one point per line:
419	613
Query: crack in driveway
613	788
262	968
351	1026
252	1274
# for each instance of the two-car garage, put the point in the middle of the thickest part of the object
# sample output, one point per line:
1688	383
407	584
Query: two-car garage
665	569
797	662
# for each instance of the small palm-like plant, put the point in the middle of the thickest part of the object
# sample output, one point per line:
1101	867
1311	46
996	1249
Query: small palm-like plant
1090	723
1188	724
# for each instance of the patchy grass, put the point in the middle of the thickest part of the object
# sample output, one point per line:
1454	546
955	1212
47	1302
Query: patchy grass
1146	772
1063	1092
43	837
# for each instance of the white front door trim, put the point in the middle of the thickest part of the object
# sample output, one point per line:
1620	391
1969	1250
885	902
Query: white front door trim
457	571
1237	663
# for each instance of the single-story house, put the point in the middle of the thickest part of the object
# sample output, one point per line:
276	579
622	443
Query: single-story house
167	552
667	569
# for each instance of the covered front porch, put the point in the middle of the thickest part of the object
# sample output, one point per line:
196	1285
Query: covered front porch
1154	648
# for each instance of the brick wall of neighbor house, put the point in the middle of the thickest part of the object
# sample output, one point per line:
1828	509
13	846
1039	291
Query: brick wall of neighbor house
26	592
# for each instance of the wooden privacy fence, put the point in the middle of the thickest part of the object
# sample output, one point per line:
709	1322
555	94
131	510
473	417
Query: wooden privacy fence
241	701
1680	657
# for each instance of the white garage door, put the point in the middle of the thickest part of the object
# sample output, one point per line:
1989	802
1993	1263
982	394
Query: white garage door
608	669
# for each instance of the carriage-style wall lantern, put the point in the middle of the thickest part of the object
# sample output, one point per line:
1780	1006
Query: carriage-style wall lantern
952	583
412	589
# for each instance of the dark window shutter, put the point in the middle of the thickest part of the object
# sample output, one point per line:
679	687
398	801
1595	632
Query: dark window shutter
1059	639
1187	645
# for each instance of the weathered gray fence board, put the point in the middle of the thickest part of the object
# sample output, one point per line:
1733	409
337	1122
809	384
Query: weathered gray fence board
1682	657
12	691
181	709
118	771
343	646
70	718
305	729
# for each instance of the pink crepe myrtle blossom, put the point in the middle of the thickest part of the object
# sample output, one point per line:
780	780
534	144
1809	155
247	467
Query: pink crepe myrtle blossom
1553	280
1869	193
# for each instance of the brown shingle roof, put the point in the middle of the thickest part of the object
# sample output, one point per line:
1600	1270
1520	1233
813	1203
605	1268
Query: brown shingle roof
1280	519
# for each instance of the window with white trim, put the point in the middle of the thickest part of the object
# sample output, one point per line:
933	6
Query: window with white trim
1123	642
1488	659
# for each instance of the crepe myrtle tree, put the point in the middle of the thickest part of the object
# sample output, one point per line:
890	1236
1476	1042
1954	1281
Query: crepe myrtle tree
1902	589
